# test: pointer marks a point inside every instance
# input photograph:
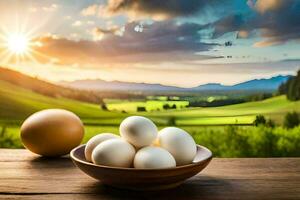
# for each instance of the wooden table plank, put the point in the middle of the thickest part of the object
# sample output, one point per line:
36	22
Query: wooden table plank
24	175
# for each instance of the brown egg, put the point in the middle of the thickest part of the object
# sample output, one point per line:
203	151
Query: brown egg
52	132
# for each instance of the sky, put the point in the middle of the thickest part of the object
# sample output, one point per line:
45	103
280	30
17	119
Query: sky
171	42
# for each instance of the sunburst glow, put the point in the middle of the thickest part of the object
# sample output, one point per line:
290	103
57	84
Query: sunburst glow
19	46
17	43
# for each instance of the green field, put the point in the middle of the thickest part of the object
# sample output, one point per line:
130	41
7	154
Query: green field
244	113
224	141
149	105
211	127
16	104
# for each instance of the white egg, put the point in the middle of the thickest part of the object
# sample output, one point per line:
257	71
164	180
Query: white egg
114	153
179	143
139	131
94	141
152	158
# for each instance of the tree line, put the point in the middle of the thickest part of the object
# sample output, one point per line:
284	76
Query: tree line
291	88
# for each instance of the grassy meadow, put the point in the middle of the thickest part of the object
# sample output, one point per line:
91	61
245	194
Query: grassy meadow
16	104
149	105
224	141
227	130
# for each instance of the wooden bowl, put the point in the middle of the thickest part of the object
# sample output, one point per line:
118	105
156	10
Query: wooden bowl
142	179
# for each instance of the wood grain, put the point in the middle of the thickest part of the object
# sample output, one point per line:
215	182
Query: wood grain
24	175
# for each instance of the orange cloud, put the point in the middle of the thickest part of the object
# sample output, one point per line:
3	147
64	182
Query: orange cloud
277	22
267	43
268	5
153	43
243	34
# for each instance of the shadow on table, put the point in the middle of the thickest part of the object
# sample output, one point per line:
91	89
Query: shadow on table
201	187
41	162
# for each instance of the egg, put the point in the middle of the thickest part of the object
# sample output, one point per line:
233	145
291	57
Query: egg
52	132
114	153
94	141
139	131
153	158
179	143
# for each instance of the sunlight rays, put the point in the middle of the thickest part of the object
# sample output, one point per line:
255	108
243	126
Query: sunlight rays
17	44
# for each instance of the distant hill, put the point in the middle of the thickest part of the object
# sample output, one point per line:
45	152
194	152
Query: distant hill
58	90
17	103
262	84
117	86
255	84
46	88
211	86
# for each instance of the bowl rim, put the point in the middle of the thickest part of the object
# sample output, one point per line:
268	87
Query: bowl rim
74	158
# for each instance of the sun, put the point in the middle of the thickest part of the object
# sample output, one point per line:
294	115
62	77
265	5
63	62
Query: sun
20	45
17	43
16	47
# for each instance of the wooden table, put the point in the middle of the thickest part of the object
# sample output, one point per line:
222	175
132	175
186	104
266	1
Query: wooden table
24	175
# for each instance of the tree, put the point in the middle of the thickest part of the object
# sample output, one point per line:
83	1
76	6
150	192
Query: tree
283	88
294	88
260	120
141	109
166	106
103	106
291	88
291	120
174	106
270	123
259	96
3	130
171	121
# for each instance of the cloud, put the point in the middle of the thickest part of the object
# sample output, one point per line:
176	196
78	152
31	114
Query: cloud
266	43
154	9
243	34
46	8
269	5
77	23
280	22
50	8
228	24
33	9
277	22
90	10
67	17
89	22
99	33
158	42
74	36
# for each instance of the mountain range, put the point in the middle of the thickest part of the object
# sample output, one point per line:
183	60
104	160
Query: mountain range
266	84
